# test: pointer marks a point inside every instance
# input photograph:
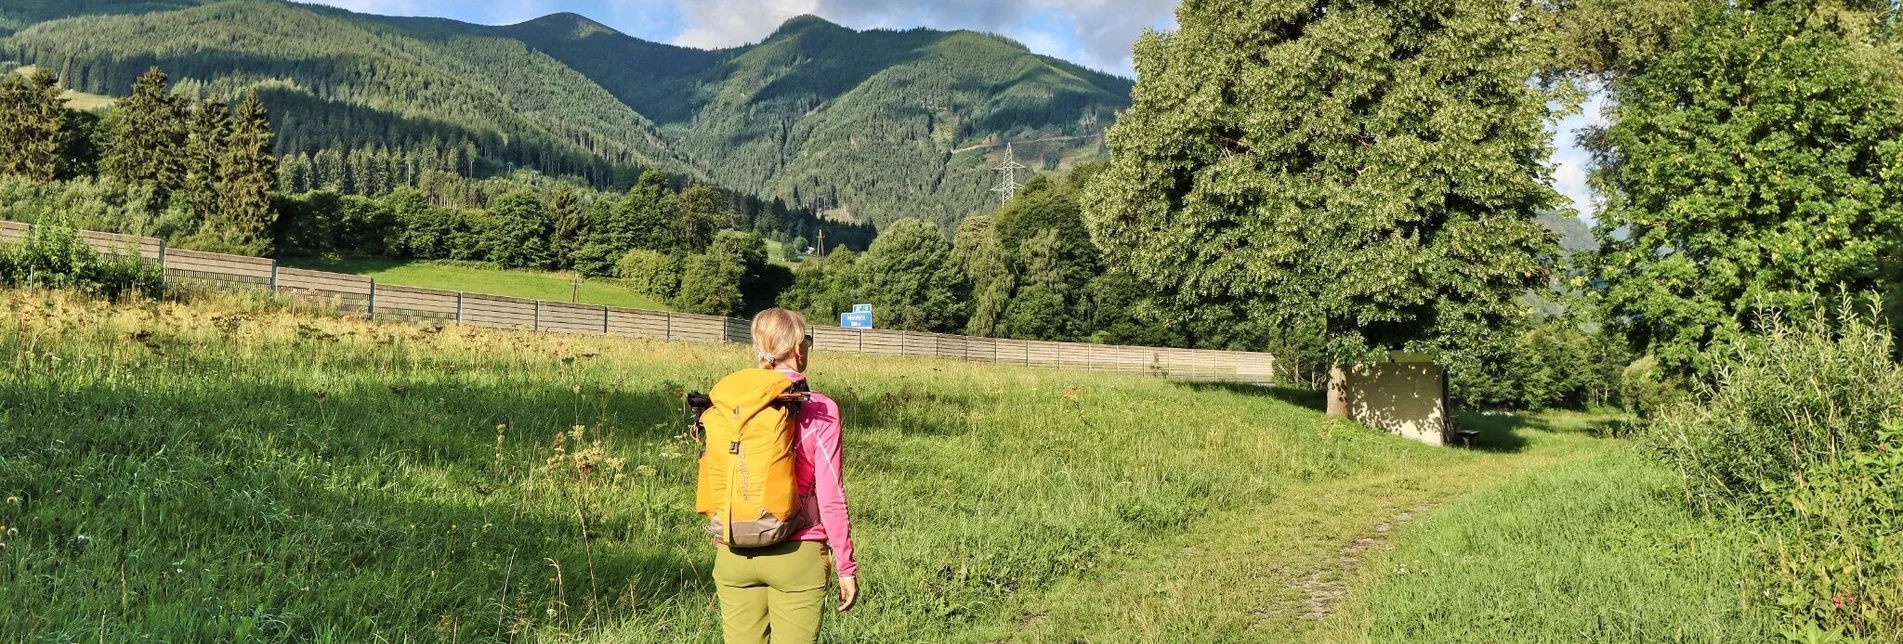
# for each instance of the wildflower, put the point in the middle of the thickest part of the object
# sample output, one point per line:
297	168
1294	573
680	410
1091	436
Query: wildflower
13	500
645	470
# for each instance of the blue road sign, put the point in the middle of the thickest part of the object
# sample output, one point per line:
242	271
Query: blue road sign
856	320
862	308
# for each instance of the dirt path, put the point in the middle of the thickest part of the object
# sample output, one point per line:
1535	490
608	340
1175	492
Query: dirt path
1327	586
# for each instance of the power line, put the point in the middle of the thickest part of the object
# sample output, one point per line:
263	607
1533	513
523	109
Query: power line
1008	186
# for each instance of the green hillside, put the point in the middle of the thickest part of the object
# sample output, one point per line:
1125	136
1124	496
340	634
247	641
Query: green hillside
866	121
870	125
333	79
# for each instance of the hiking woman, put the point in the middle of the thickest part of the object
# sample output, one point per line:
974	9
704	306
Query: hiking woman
781	589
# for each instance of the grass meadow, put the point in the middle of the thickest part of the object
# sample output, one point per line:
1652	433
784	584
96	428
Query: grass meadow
237	470
1595	549
476	278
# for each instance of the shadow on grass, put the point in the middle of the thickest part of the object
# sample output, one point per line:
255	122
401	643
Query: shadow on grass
1311	399
1504	432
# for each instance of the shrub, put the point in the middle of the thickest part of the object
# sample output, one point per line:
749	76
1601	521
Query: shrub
1646	391
54	256
651	273
710	285
87	203
1802	396
1800	434
1839	550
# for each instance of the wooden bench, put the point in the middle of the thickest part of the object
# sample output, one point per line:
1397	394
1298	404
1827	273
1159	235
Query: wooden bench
1466	436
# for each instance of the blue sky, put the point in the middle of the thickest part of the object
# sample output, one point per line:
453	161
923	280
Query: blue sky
1094	33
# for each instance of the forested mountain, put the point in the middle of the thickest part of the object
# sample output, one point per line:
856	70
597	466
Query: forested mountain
881	124
873	125
336	80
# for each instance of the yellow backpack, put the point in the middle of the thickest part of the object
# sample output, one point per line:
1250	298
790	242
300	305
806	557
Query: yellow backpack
747	490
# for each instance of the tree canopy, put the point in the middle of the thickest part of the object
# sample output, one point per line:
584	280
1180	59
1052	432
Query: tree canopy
1756	162
1365	174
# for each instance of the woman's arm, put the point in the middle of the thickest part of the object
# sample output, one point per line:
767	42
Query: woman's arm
829	483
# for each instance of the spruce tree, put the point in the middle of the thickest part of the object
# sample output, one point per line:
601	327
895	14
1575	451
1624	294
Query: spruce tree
206	141
248	173
146	137
1369	170
33	125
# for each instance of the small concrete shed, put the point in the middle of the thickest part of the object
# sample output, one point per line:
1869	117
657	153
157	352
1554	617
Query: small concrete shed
1405	394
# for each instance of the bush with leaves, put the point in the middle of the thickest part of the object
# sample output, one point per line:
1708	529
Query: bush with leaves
651	273
1800	435
1803	394
1839	554
89	203
710	285
54	256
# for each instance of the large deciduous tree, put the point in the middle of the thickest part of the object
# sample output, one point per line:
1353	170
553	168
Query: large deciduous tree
909	278
1368	170
518	232
33	125
1754	163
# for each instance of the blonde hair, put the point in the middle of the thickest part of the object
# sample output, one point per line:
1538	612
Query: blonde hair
777	335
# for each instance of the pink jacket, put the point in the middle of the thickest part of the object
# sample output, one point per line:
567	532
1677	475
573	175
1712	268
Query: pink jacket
822	486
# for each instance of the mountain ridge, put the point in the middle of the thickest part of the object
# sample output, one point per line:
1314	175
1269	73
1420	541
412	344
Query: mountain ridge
874	125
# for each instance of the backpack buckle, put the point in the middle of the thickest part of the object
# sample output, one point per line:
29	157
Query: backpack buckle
734	448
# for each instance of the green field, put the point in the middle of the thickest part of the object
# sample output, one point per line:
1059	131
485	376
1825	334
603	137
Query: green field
476	278
229	470
77	100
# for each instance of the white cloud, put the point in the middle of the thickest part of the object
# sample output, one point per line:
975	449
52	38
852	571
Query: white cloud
1096	33
1571	163
712	24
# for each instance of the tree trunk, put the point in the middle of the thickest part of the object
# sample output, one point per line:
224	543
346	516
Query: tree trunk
1337	391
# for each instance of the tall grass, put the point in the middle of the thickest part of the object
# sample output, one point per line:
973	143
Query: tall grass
1797	442
234	471
1597	550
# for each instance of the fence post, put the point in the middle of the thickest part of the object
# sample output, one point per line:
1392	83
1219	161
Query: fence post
161	257
669	333
459	307
538	316
604	319
373	298
274	276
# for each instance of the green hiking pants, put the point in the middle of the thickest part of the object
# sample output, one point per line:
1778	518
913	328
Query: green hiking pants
778	590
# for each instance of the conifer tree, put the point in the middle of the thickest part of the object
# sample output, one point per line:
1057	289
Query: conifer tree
1367	169
248	173
33	125
206	141
146	137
